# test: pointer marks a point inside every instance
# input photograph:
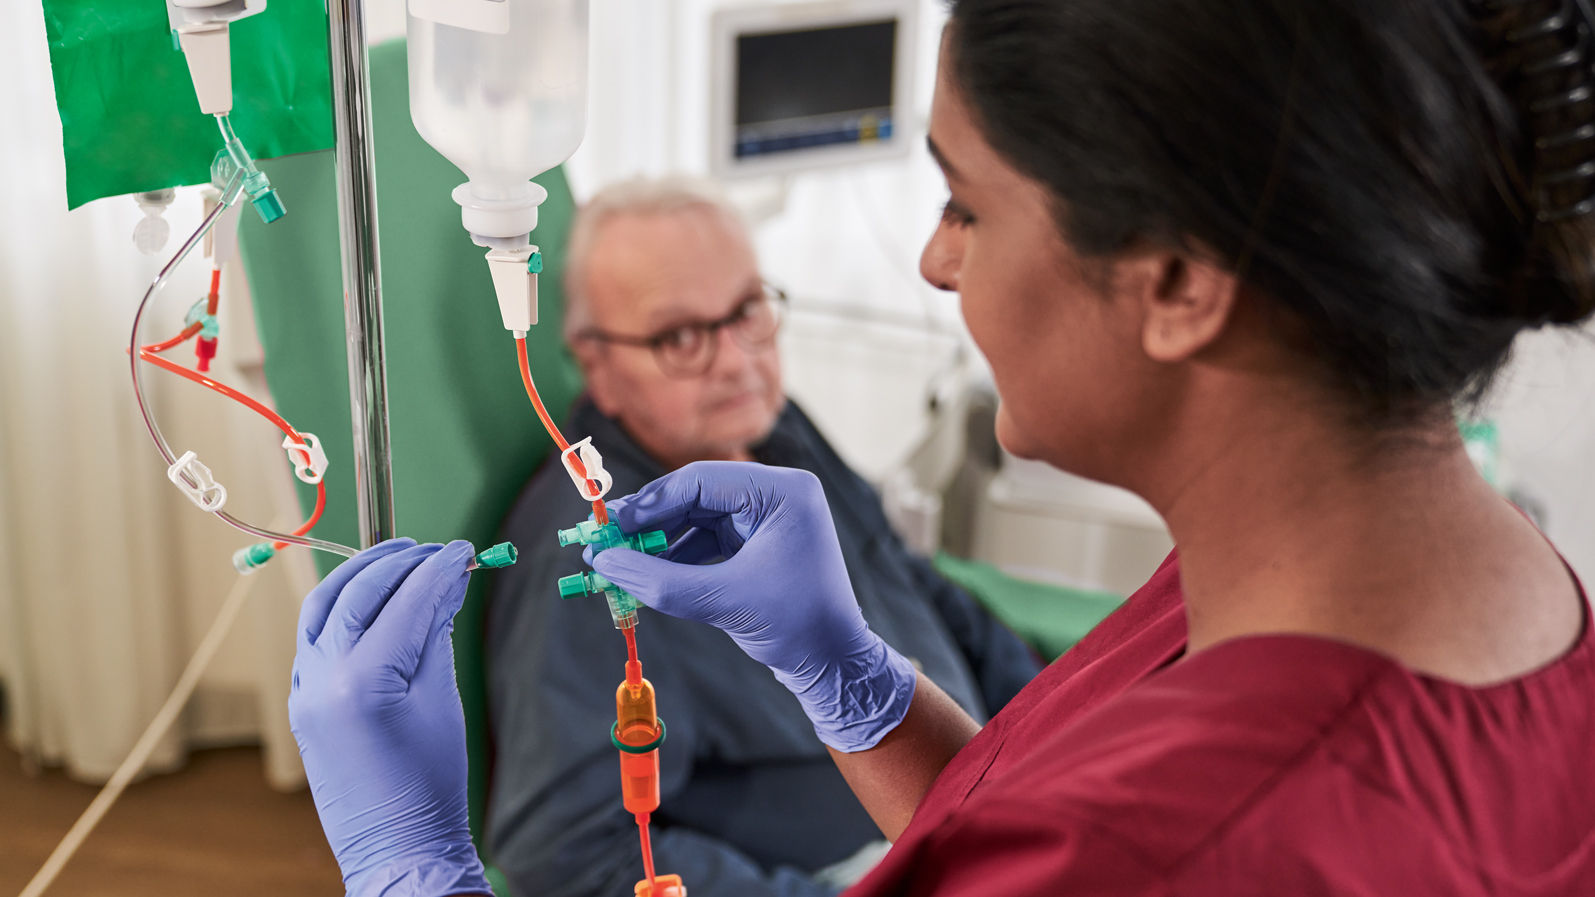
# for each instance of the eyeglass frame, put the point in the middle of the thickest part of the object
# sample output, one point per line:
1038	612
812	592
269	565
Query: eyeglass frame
655	342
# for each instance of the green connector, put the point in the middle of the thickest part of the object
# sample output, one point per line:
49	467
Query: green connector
622	607
534	265
578	585
608	535
251	558
268	206
500	555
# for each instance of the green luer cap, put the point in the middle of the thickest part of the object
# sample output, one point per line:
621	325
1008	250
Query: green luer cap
578	584
500	555
269	206
652	542
572	586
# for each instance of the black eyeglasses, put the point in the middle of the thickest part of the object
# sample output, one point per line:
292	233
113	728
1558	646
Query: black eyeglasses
688	350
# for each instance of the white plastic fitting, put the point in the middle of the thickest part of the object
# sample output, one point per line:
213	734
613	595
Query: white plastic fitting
210	65
309	461
499	219
194	480
221	243
153	230
201	27
593	462
516	287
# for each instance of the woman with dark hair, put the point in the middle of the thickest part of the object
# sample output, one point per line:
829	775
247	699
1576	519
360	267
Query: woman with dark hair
1245	259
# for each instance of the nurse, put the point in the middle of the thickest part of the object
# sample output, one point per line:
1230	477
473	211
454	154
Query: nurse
1243	259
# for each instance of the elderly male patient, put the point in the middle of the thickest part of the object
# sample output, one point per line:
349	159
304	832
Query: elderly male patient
675	332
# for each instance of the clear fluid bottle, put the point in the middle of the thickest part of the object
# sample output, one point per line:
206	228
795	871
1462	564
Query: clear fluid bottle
499	87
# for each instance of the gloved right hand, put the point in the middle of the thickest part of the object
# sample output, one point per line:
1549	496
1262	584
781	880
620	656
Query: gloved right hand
755	554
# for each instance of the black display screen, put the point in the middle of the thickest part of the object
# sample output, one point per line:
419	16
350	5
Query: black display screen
819	86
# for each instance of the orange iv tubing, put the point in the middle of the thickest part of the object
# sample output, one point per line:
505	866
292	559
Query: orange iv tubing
600	513
637	728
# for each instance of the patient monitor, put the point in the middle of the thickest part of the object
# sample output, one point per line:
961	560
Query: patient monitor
802	85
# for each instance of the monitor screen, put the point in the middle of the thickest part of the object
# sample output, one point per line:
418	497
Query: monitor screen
816	87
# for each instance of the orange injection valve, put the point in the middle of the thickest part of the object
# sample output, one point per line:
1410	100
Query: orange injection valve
637	734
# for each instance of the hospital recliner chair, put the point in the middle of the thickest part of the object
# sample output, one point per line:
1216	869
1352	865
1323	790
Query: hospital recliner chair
464	436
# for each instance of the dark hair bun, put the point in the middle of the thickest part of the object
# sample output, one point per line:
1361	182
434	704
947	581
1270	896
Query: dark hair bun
1542	54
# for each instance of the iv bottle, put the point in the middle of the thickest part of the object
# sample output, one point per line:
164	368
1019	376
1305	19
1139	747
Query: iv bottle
499	88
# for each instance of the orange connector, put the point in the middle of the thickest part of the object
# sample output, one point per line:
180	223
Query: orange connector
663	886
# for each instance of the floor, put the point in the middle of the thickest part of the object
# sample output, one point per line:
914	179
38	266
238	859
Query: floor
213	828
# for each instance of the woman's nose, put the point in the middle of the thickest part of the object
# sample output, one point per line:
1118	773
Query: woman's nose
938	263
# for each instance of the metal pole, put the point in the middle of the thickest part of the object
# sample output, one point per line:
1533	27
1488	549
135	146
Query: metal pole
362	278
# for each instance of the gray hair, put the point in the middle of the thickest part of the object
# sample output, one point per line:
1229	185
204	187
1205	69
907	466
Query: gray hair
636	196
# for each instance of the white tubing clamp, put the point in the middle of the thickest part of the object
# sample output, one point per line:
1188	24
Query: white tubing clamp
195	481
309	461
594	464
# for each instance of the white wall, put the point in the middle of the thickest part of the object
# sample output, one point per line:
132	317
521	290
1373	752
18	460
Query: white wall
1544	405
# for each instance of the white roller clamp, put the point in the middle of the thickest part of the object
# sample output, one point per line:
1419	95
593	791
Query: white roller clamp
593	462
309	461
194	480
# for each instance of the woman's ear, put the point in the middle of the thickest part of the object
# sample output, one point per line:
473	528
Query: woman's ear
1187	304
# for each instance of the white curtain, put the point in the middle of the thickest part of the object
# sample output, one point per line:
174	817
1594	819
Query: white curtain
109	577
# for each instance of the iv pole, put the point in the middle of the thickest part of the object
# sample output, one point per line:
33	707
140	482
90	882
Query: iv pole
362	275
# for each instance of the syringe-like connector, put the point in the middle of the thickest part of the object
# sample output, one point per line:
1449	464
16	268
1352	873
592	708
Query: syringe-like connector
637	734
622	607
608	535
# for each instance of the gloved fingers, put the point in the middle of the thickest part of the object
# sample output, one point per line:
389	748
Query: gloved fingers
425	602
695	493
697	546
318	604
676	589
365	595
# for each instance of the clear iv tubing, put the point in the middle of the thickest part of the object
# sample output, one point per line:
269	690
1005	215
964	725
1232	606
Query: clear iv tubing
228	197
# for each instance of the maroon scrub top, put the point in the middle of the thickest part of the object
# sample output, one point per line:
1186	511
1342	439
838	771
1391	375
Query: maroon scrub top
1286	766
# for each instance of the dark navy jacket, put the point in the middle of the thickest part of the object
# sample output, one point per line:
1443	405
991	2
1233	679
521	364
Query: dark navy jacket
751	800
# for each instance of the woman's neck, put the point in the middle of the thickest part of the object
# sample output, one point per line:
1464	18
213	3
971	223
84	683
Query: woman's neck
1399	546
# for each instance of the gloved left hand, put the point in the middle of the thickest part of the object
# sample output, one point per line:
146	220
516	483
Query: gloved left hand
377	715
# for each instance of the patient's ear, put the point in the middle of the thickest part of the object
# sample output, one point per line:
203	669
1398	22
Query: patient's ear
1187	304
592	357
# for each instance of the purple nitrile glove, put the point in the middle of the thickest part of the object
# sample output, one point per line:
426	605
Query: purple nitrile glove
377	715
755	555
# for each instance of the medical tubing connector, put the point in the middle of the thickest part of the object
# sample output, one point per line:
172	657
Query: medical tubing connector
256	185
603	536
637	733
498	556
229	196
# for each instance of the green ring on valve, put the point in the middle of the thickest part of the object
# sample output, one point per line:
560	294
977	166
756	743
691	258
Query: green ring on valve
614	738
